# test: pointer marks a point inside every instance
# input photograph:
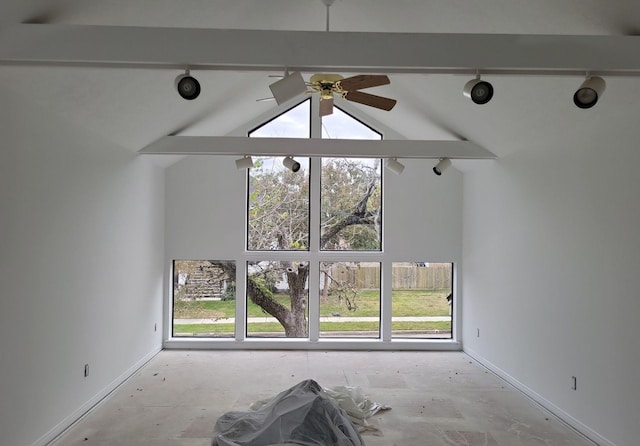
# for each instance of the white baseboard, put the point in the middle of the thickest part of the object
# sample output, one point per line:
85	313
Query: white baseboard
75	416
563	416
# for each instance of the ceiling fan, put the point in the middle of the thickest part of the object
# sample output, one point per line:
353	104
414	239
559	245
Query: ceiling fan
329	85
349	88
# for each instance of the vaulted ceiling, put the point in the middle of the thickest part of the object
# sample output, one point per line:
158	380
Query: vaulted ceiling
135	104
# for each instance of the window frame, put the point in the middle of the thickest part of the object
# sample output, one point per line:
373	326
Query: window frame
314	256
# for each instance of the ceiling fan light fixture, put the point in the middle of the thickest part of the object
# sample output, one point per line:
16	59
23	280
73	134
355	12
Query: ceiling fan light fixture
245	162
589	92
442	165
291	164
287	88
479	91
394	165
188	87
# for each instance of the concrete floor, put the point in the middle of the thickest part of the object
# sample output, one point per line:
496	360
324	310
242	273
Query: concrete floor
436	399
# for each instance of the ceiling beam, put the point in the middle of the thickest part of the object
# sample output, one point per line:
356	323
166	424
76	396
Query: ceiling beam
253	50
354	148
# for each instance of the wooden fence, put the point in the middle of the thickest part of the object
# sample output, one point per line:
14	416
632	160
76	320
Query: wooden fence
429	276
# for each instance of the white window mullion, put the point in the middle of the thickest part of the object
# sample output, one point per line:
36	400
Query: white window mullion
241	300
316	120
314	227
385	301
314	233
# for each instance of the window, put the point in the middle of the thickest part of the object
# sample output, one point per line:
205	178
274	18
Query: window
204	294
350	299
279	219
350	205
277	296
278	206
278	202
314	265
421	300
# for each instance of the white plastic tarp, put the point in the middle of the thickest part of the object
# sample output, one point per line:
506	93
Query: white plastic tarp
304	415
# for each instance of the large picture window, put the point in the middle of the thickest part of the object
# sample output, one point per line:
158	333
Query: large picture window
314	266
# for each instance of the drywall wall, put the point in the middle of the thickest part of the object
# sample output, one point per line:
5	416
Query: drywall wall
551	257
82	243
423	213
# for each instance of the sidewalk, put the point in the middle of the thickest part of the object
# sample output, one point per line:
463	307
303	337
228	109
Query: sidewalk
232	320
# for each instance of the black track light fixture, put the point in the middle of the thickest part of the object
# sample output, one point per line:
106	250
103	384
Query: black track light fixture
188	87
479	91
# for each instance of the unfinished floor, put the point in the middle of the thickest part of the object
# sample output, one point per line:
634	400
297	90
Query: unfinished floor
436	399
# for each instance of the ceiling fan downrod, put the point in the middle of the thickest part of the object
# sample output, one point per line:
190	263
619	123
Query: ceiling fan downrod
328	4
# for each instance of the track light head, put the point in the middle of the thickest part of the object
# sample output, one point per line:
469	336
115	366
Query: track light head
244	163
589	92
291	164
442	165
188	87
479	91
394	166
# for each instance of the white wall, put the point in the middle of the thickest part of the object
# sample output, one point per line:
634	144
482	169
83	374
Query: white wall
551	258
423	213
82	224
205	199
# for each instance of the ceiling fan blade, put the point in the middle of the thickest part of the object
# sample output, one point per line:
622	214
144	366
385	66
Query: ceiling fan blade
364	81
326	106
371	100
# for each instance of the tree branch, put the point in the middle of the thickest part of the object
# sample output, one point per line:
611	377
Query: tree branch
259	295
360	216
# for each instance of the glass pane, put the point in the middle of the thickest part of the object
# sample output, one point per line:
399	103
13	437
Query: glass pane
278	217
277	296
204	293
350	299
350	204
341	125
421	300
294	123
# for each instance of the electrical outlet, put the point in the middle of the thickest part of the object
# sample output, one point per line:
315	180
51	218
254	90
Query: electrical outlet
86	370
574	383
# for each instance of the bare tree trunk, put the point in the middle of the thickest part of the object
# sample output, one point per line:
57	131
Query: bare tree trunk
293	321
296	325
325	288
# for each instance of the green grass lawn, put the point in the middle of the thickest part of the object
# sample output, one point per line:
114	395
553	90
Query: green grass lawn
274	327
404	303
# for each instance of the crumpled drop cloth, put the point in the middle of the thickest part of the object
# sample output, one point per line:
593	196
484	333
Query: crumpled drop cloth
305	415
